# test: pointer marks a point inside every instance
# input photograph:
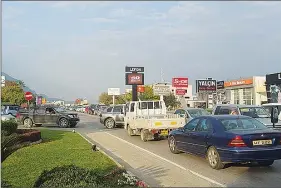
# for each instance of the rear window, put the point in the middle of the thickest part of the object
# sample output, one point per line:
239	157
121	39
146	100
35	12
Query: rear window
14	108
242	124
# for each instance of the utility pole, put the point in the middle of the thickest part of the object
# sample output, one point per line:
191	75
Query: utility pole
162	80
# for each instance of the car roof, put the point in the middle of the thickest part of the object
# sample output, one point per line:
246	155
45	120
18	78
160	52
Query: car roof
188	108
271	104
238	105
219	117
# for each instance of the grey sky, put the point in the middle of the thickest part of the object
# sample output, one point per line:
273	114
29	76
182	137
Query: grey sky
79	49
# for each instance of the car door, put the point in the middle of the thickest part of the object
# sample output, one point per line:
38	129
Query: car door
117	112
201	136
184	139
39	116
51	116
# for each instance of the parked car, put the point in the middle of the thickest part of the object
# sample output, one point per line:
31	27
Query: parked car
191	113
257	112
92	109
226	139
268	108
100	109
48	115
113	116
7	117
10	109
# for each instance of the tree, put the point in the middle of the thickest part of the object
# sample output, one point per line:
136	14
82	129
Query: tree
105	98
12	93
148	94
21	83
171	101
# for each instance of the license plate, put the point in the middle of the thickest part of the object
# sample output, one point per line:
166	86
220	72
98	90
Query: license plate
164	132
262	142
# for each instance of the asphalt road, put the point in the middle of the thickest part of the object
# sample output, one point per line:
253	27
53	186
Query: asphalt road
153	162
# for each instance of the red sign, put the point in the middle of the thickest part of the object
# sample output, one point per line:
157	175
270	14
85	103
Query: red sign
180	91
28	96
141	89
134	79
180	82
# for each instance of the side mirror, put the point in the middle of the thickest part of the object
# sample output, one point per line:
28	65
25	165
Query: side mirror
274	115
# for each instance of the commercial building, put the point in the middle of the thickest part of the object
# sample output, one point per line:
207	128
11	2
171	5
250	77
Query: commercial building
248	91
273	88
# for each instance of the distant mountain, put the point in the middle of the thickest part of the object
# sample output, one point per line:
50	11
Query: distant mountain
26	89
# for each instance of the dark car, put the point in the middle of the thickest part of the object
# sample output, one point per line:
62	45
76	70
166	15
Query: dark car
92	109
227	139
48	115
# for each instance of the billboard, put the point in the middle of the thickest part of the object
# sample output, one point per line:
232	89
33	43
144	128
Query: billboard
141	89
206	85
113	91
134	79
180	82
180	92
220	84
161	89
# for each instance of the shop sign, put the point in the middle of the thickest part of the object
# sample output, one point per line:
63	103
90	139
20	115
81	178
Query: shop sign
238	82
134	69
220	85
134	78
141	89
180	92
273	78
180	82
161	89
206	85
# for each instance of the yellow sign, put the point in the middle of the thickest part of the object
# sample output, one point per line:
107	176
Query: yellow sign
173	123
158	123
43	101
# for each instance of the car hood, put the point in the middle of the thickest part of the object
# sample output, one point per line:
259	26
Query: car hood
267	121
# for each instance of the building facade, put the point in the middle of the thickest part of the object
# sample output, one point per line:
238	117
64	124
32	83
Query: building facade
273	88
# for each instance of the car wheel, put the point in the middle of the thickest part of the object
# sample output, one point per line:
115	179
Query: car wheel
27	122
109	123
172	145
144	135
63	123
266	163
130	131
213	158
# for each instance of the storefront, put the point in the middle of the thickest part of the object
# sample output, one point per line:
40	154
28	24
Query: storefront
248	91
273	88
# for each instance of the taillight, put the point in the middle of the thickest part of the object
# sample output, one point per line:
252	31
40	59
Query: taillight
18	115
237	142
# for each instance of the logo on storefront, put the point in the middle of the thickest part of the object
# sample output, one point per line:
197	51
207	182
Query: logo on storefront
238	82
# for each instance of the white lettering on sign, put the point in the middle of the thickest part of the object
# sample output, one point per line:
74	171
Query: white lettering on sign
135	78
207	83
135	70
279	76
180	81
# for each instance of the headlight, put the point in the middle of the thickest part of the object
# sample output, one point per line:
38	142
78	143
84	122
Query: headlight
70	116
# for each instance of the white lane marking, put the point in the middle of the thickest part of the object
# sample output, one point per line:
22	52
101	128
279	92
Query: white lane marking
171	162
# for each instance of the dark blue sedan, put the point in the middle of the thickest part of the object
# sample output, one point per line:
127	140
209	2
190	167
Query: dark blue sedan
227	139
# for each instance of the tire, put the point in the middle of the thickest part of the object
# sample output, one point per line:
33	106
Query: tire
266	163
28	122
214	159
109	123
172	145
63	123
144	135
130	131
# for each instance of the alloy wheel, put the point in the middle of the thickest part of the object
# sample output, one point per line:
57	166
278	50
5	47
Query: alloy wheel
213	157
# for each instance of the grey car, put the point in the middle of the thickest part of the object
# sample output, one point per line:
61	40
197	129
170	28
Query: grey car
191	113
10	110
113	116
254	111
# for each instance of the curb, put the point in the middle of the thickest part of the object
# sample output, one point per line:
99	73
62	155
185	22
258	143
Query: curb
116	162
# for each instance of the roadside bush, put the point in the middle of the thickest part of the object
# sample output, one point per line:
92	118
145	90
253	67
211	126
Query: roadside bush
9	127
5	184
73	176
9	144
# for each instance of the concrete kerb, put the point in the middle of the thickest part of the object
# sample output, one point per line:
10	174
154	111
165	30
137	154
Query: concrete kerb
103	152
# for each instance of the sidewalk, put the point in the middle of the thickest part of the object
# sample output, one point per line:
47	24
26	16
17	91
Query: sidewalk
151	168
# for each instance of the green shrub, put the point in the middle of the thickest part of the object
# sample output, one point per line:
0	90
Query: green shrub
9	127
5	184
9	144
73	176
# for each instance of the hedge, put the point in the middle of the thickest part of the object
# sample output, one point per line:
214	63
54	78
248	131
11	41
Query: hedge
9	127
29	135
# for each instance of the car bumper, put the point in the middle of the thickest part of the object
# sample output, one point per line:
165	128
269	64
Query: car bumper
250	154
102	120
74	120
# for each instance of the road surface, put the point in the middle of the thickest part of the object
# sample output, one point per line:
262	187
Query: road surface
154	163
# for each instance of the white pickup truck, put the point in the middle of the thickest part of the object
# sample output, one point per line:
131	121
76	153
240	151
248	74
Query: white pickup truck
149	119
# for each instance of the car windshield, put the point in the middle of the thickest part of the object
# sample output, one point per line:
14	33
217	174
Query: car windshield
197	112
254	112
242	124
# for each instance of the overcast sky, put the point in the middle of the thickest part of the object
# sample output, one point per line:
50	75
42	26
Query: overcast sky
79	49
